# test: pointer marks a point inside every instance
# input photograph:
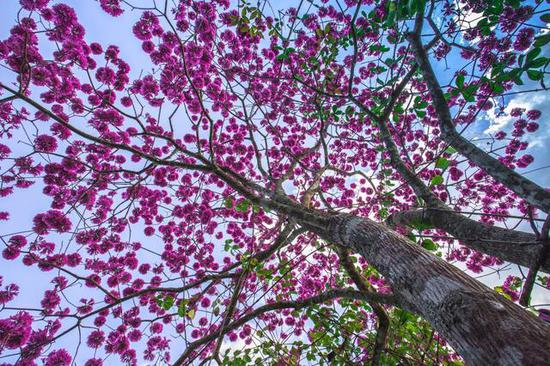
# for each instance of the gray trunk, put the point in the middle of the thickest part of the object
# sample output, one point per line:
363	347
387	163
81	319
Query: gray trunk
482	326
509	245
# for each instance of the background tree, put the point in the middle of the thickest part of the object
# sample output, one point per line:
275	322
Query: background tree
280	186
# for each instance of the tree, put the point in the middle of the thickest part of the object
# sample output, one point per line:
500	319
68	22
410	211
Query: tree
299	179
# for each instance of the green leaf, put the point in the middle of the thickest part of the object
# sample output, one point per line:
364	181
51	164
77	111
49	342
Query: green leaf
379	47
421	114
531	55
437	180
468	93
168	302
521	58
422	105
242	206
450	150
497	69
497	88
228	202
442	163
500	290
535	75
542	40
182	308
227	246
545	17
460	81
158	300
517	80
255	208
484	26
496	8
539	62
429	245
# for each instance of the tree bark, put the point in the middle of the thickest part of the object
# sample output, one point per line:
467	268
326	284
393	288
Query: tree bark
482	326
509	245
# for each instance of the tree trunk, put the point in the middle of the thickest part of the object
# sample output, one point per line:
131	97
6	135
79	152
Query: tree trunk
509	245
482	326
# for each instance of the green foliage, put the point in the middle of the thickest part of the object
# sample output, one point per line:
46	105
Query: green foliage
450	150
285	55
402	9
420	225
242	206
428	244
245	21
442	163
168	302
182	308
413	342
437	180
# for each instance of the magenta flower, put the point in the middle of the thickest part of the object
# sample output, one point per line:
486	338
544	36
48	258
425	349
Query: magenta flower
58	358
15	331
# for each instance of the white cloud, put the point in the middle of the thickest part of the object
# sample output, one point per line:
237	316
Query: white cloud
501	120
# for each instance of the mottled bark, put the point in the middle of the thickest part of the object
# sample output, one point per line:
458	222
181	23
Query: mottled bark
522	186
509	245
482	326
542	258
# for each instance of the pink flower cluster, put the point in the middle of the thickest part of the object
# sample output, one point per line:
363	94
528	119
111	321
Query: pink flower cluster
136	209
15	331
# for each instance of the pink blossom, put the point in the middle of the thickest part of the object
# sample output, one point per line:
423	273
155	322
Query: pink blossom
33	4
45	143
524	39
95	339
15	331
94	362
111	7
51	220
58	358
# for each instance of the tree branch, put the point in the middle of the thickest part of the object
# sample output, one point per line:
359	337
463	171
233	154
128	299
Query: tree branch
522	186
297	305
381	314
509	245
